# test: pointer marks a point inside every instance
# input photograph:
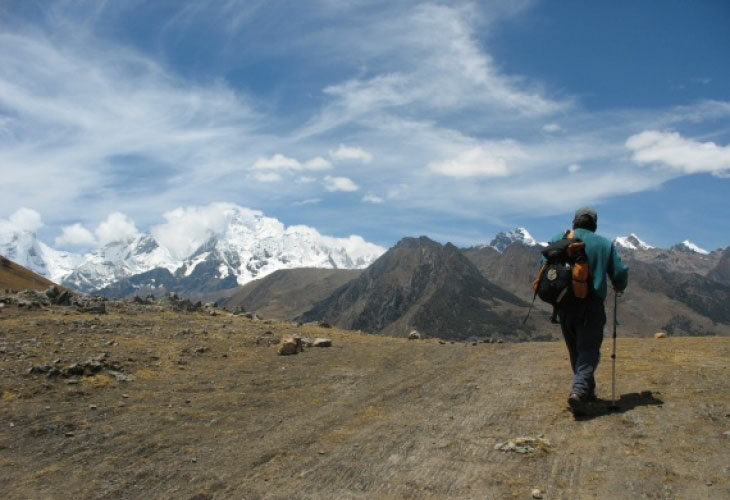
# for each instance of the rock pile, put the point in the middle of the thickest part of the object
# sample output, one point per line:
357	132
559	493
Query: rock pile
91	366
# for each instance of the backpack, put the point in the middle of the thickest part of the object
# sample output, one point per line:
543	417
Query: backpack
564	275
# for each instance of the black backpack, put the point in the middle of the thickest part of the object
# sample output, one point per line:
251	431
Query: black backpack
565	275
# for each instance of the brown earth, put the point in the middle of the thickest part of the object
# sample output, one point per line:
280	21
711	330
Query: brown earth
17	277
213	412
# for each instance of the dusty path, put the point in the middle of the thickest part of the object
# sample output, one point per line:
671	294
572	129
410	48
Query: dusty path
370	417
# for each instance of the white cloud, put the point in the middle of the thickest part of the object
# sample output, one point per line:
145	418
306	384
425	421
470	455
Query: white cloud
309	201
317	163
281	163
339	184
573	168
551	128
305	179
26	219
75	235
267	176
186	228
474	162
372	198
116	227
351	153
677	153
276	162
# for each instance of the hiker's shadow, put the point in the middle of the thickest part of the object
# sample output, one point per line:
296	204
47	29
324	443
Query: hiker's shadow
626	402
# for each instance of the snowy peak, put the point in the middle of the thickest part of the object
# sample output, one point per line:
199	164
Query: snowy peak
689	247
632	242
518	235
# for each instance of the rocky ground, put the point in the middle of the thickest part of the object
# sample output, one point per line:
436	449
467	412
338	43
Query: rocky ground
153	401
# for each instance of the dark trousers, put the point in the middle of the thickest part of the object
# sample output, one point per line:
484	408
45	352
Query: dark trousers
582	324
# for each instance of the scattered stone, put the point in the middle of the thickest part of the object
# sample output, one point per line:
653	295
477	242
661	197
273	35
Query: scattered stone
92	407
290	345
307	342
524	444
121	377
536	493
69	434
89	304
72	381
125	396
660	335
322	342
324	324
500	341
414	335
442	341
201	350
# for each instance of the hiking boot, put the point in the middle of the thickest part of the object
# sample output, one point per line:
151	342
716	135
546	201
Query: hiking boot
578	403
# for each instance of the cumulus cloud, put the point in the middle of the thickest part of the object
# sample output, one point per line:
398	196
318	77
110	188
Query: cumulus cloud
474	162
276	162
317	163
281	163
75	235
186	228
677	153
339	184
26	219
116	227
372	198
573	168
351	153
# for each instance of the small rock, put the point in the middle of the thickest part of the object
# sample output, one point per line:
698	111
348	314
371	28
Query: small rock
322	342
324	324
125	396
660	335
69	434
442	341
536	493
92	407
414	335
72	381
290	345
500	341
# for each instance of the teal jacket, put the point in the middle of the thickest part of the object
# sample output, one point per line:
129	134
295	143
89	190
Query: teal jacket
603	259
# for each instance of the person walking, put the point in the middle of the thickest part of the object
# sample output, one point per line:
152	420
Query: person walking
582	320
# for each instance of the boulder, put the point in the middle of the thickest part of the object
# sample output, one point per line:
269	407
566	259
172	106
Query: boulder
322	342
660	335
414	335
290	345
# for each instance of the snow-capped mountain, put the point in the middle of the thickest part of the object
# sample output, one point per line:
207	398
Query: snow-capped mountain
518	235
23	247
632	242
688	246
248	246
119	260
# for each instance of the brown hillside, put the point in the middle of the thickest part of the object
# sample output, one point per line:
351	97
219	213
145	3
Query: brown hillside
287	293
16	277
213	412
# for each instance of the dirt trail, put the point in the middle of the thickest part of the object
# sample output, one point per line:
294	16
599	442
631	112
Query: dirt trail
370	417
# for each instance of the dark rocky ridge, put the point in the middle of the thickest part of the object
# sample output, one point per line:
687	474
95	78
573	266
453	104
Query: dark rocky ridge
424	285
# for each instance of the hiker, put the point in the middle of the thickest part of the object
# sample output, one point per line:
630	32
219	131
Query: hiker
582	320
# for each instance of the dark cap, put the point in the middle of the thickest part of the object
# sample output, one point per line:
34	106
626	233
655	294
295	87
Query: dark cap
587	212
585	218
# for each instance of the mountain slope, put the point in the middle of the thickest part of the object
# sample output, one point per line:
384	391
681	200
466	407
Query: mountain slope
287	293
17	277
427	286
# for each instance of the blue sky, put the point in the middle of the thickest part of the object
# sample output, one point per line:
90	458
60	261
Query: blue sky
378	118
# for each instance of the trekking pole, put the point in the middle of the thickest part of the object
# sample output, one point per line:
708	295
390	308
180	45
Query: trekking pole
613	406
